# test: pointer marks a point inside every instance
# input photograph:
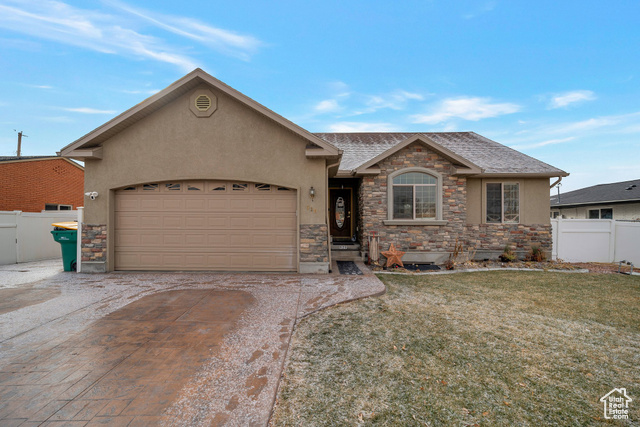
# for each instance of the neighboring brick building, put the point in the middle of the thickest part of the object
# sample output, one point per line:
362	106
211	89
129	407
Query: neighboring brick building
38	183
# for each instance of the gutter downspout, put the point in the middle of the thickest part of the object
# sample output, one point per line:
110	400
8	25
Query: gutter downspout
326	210
556	183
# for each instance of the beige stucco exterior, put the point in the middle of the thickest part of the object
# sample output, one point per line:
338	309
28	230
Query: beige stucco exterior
534	199
235	143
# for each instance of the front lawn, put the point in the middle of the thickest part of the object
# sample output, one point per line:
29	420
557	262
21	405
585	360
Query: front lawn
490	348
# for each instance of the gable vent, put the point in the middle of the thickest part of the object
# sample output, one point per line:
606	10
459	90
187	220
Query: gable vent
203	103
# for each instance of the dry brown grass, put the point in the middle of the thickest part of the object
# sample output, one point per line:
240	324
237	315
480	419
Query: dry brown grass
494	348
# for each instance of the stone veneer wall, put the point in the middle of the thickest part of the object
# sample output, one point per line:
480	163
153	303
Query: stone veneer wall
313	243
439	241
94	242
520	237
372	200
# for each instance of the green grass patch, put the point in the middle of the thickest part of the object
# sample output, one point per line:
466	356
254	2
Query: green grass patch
491	348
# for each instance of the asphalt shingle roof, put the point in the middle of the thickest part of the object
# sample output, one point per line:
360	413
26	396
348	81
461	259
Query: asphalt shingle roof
492	157
602	193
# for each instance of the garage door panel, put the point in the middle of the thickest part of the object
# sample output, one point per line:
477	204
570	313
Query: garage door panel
263	205
237	239
153	203
218	222
173	204
222	230
195	239
285	205
240	222
172	221
285	223
127	239
128	203
263	223
150	259
149	221
195	204
127	221
218	203
195	260
239	204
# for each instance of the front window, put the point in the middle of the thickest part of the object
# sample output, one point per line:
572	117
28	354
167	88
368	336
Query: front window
503	203
414	196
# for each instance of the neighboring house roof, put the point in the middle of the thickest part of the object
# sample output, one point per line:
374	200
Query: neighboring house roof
15	159
617	192
87	146
489	156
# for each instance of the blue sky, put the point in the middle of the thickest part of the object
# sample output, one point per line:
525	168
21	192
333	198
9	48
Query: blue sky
558	80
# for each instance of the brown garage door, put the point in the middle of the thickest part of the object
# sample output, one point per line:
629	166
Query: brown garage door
205	226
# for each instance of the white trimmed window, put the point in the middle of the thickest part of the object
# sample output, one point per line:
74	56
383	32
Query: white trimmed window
415	196
605	213
503	202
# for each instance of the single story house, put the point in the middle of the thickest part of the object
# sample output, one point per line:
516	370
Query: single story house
40	183
618	200
202	177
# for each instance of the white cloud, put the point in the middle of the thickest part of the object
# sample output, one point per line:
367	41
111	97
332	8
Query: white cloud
57	119
543	143
473	109
143	92
361	127
87	110
486	7
348	103
395	101
224	41
568	98
607	129
114	33
341	89
39	86
327	106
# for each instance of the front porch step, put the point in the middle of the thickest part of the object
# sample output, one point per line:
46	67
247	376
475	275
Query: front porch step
346	255
345	246
346	251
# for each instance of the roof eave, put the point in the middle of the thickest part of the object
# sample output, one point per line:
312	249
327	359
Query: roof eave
605	202
522	175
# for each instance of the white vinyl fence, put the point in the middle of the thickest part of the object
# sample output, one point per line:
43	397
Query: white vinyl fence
25	236
596	240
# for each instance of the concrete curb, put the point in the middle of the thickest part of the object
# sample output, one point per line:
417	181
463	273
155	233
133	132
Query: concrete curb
474	270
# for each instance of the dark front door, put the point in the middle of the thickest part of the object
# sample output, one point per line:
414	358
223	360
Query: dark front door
340	213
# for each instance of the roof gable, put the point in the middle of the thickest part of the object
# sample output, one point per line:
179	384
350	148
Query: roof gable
86	146
492	158
467	166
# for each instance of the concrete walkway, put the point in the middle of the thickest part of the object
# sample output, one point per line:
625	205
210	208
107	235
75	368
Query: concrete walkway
151	348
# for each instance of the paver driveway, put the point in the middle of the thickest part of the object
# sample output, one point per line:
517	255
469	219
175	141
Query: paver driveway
151	349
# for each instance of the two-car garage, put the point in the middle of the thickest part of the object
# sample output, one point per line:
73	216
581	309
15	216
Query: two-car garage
205	225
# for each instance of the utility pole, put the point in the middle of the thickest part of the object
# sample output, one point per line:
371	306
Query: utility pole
20	135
